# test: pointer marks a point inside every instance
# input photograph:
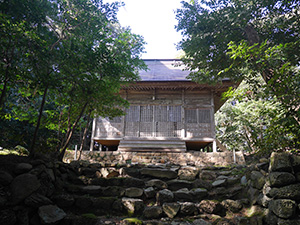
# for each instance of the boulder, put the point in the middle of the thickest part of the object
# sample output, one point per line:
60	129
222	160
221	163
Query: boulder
149	192
257	180
278	179
288	222
283	208
50	214
133	206
175	185
201	222
5	178
92	189
263	200
159	184
209	206
183	195
232	205
164	196
83	202
207	175
296	163
153	212
199	193
133	192
113	191
287	192
159	173
188	209
36	200
22	168
280	162
219	183
188	173
64	200
171	209
23	186
202	184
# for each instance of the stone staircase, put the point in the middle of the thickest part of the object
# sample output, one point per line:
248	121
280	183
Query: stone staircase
152	145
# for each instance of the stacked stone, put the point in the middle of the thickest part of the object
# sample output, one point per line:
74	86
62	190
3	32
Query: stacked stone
276	188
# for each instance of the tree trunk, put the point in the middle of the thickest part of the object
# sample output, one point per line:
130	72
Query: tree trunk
64	148
84	134
32	151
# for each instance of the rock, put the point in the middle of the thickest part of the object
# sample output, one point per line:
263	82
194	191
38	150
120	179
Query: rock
209	206
208	175
188	173
188	209
283	208
153	212
257	180
296	163
253	194
133	206
5	178
201	222
133	182
159	184
278	179
171	209
51	174
159	173
83	202
7	217
287	192
163	196
288	222
64	200
280	162
3	201
150	192
183	195
50	214
103	204
199	193
133	192
36	200
113	191
175	185
92	189
219	183
202	184
244	180
23	186
23	168
232	205
263	200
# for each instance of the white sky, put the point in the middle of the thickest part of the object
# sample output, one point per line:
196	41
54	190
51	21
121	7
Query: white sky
155	21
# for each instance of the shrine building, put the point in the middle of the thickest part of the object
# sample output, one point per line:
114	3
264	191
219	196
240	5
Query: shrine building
167	113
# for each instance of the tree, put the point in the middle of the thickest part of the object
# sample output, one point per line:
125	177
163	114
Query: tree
234	39
74	63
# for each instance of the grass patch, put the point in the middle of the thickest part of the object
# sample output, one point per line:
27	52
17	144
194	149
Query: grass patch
89	215
134	221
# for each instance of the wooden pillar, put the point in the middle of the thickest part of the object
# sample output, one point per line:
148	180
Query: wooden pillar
93	134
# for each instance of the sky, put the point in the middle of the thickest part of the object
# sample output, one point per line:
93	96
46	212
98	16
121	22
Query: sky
155	21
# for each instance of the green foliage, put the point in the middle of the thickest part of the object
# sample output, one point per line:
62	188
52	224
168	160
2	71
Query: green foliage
63	61
253	121
241	40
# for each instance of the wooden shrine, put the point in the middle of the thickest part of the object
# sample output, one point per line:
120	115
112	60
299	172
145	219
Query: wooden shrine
167	113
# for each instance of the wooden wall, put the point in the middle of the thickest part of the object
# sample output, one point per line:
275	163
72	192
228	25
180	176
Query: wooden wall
183	114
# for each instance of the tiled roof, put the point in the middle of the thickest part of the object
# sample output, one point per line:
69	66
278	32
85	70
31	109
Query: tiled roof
164	70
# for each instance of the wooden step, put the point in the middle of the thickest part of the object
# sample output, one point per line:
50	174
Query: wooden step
152	145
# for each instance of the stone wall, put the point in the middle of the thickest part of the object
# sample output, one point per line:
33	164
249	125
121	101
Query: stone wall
42	191
184	158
